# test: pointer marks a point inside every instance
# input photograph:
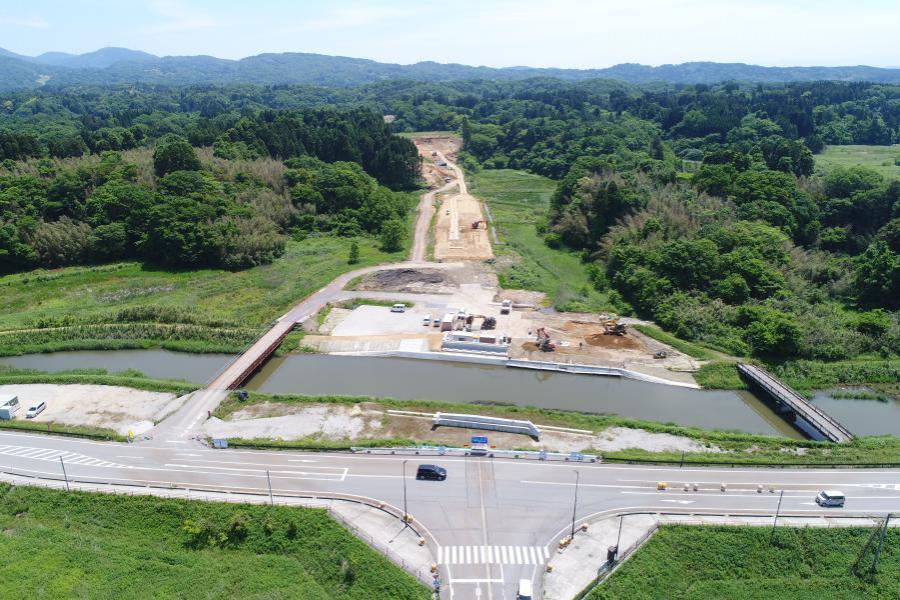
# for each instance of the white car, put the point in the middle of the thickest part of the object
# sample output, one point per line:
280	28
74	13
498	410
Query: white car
426	321
35	409
830	498
398	308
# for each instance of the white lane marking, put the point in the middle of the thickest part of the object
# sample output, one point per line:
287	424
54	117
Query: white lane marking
176	442
493	555
255	464
680	501
70	458
581	485
188	455
769	496
452	581
301	460
330	476
753	484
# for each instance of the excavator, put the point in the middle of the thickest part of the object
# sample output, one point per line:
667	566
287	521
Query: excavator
613	327
477	224
543	340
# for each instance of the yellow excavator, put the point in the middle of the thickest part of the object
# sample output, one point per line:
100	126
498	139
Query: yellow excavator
613	327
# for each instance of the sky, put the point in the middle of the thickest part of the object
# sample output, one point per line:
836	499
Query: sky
496	33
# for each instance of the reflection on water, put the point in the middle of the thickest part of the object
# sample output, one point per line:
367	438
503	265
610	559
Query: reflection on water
157	364
862	417
457	382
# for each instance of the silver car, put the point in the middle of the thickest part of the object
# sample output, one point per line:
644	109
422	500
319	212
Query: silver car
35	409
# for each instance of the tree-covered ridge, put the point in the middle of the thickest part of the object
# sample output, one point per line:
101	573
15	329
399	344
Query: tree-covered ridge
172	208
118	66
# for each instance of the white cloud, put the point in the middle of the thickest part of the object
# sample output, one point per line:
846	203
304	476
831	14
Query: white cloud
30	22
350	17
178	17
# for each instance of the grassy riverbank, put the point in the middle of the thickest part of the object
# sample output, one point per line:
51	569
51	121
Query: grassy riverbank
130	305
723	446
518	201
682	561
805	375
71	545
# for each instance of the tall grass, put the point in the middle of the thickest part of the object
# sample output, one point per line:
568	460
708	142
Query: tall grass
81	545
684	561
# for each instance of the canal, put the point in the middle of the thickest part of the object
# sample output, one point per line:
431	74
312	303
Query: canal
409	379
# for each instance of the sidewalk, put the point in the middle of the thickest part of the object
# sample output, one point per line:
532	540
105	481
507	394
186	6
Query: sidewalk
576	567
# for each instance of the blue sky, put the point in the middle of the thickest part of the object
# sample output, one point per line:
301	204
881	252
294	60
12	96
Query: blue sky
544	33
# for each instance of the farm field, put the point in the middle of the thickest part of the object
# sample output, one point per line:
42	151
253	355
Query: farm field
81	545
740	562
517	201
884	159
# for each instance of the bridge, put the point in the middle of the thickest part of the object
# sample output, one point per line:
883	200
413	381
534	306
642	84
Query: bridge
823	424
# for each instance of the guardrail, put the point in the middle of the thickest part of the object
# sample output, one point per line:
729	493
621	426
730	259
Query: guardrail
88	436
726	463
467	421
490	453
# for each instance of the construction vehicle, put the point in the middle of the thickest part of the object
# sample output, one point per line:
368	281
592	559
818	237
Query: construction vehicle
489	323
477	224
505	307
543	340
613	327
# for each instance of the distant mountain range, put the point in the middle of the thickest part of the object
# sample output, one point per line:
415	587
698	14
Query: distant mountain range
124	66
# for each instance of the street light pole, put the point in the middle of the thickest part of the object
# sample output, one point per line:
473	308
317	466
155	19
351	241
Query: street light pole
575	503
777	510
405	511
66	477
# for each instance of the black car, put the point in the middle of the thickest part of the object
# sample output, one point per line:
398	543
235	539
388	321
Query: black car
431	473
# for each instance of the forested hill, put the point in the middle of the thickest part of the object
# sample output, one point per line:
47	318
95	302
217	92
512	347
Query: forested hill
123	66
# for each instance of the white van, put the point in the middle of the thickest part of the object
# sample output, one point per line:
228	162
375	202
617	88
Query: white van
830	498
35	409
398	308
525	591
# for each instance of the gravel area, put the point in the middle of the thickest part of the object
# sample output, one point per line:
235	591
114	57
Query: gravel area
119	408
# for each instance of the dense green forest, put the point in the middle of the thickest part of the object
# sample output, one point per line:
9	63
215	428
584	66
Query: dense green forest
173	209
696	205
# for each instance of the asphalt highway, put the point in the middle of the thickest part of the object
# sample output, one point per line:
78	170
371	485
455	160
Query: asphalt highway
493	521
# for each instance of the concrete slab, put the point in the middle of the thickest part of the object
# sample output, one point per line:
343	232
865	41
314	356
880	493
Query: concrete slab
379	320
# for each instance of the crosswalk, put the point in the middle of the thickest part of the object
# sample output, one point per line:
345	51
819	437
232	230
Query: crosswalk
70	458
482	555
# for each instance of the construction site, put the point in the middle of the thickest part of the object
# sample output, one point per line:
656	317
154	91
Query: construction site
455	306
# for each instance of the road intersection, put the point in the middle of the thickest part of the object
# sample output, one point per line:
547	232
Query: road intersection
492	522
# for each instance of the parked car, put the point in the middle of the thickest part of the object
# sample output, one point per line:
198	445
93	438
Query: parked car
427	320
431	473
830	498
398	308
436	322
35	409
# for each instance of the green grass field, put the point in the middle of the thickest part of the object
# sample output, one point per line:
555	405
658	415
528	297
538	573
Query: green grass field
884	159
740	563
213	310
517	200
80	545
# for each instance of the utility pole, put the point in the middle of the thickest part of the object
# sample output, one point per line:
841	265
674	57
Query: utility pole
66	477
575	503
271	497
405	511
887	520
777	510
